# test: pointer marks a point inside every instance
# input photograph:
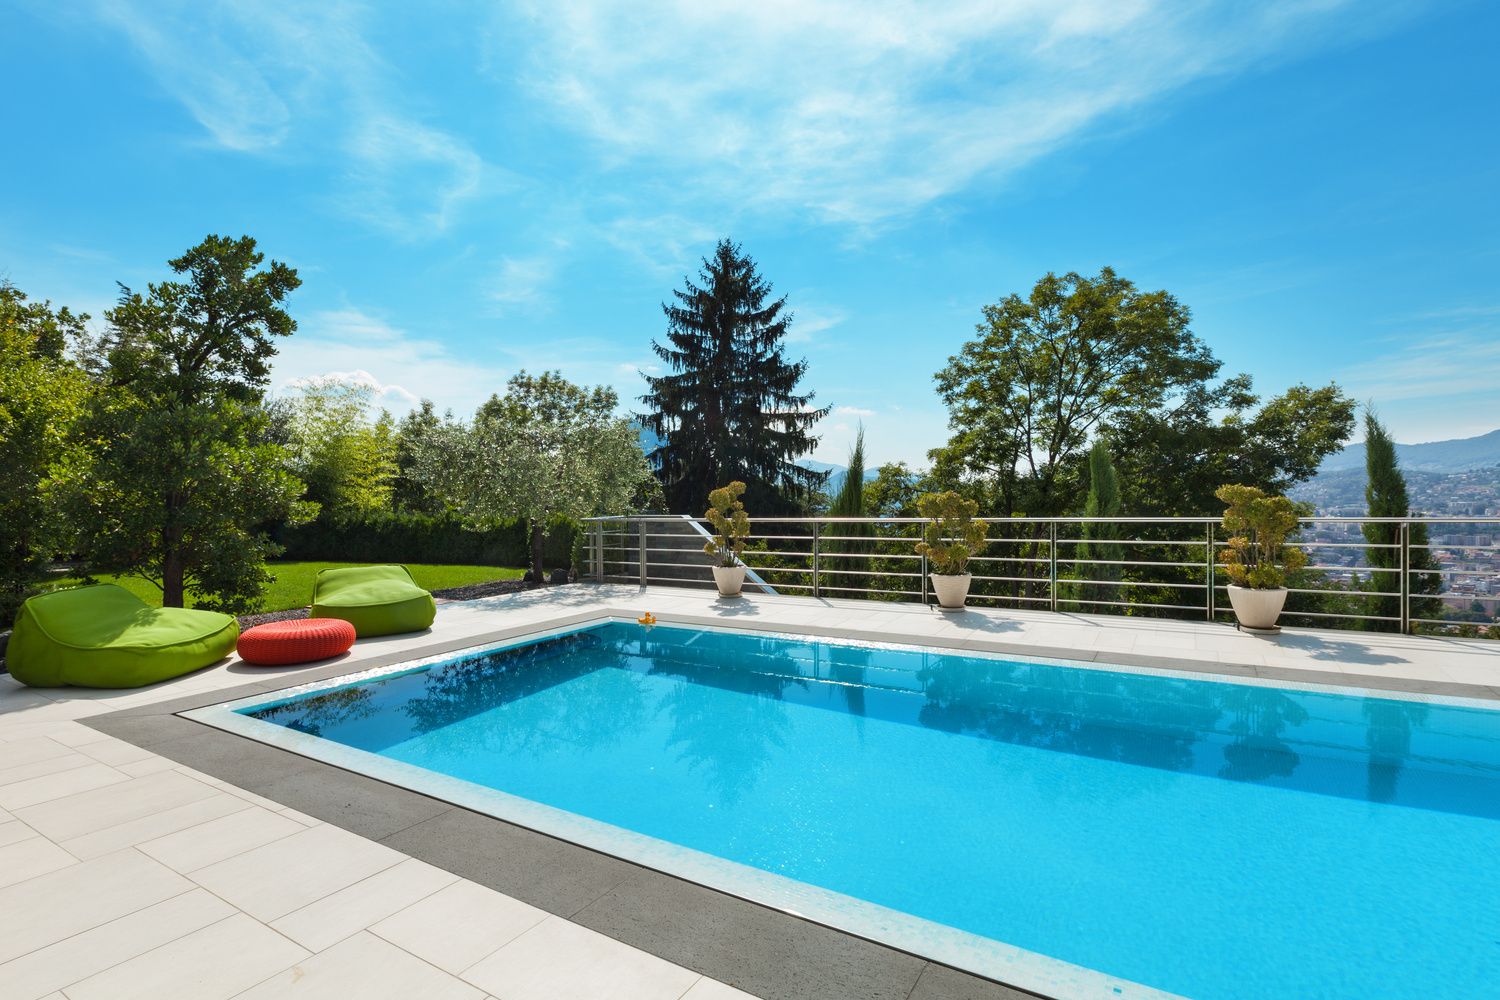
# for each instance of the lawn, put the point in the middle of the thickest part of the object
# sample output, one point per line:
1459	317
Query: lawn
294	581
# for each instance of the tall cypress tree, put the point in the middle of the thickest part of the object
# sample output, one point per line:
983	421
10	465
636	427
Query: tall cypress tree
849	574
1101	539
1386	496
729	406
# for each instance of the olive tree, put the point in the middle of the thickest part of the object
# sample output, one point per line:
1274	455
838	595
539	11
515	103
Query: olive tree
545	448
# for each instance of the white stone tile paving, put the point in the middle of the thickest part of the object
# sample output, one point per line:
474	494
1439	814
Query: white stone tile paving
124	874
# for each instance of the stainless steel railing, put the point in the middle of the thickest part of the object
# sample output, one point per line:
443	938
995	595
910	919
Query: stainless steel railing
1162	567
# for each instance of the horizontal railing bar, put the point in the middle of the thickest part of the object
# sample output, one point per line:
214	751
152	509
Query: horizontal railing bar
866	572
1069	561
1341	617
1171	519
1198	542
1012	579
1009	559
1129	604
1453	624
1329	590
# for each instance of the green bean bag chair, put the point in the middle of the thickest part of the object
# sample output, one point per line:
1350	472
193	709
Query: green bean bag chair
376	600
105	637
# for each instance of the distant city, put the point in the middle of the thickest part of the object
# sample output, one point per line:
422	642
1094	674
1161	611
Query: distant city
1446	479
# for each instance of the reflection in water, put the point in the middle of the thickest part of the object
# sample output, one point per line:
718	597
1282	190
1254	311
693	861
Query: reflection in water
1260	717
1089	712
1388	738
731	750
608	684
325	712
592	714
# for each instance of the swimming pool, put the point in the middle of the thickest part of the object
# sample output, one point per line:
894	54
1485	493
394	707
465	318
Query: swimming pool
1070	829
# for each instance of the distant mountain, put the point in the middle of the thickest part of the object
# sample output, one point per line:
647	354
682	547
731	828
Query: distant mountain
836	474
650	442
1459	478
1458	455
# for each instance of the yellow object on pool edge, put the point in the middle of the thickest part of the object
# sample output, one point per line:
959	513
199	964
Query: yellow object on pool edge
647	619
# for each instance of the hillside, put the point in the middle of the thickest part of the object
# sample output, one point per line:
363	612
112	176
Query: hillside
1457	455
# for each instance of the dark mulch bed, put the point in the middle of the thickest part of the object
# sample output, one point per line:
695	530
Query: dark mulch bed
472	592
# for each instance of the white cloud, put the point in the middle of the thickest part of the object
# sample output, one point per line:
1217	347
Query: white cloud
357	346
521	280
1436	378
667	245
807	322
403	368
302	81
852	411
408	178
192	51
1441	365
388	395
862	110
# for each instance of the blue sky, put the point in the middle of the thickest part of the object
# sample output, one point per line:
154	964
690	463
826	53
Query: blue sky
475	188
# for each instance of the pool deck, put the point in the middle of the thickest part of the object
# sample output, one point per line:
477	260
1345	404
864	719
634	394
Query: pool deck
142	854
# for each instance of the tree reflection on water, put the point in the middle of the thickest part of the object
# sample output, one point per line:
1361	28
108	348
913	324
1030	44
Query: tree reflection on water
732	740
323	713
1388	738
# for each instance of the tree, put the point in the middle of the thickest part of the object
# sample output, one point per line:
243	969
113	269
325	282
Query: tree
186	477
849	573
41	396
1172	460
347	461
1095	357
407	493
1048	370
545	448
893	492
1101	539
1386	496
729	408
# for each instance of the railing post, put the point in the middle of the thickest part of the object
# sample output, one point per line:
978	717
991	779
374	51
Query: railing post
1052	566
1211	572
597	548
1405	536
817	590
921	532
642	560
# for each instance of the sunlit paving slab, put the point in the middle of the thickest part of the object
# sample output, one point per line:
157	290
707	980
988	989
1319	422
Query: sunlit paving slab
127	871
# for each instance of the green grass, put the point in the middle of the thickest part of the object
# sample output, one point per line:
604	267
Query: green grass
294	581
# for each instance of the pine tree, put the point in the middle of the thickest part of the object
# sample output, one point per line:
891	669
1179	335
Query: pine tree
1101	539
1386	496
847	574
729	407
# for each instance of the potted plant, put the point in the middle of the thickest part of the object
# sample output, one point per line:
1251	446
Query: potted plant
949	538
1257	558
731	527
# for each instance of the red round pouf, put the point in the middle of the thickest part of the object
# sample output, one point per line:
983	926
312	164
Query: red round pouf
300	640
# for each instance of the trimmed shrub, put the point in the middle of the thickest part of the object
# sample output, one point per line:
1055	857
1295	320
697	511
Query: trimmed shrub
424	538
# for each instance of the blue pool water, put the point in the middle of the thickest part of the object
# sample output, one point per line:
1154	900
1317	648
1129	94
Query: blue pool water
1210	839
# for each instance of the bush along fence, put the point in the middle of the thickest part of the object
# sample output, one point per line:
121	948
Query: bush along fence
1445	580
425	538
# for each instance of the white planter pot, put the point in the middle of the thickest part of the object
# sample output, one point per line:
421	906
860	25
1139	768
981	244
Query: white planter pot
951	590
1257	610
729	579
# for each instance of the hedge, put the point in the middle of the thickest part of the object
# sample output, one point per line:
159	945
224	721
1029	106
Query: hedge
424	538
